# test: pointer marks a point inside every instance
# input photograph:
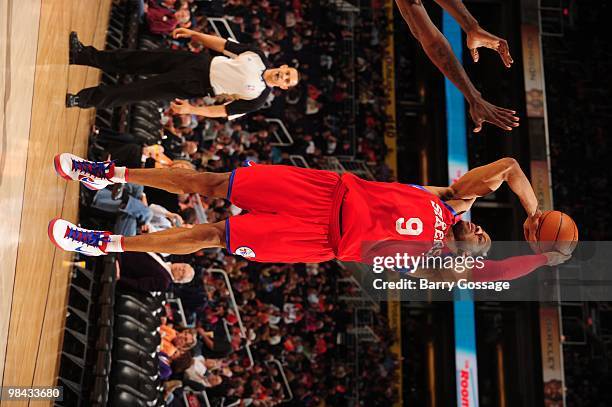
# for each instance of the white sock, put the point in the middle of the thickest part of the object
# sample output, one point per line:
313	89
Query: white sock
119	176
115	244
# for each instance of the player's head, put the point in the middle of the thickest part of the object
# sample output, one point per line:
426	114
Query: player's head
284	77
471	238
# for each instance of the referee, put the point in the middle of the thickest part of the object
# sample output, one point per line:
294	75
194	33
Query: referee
243	73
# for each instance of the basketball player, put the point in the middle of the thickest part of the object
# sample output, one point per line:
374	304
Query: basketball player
302	215
441	54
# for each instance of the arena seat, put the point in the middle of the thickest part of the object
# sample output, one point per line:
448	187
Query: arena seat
123	397
130	331
146	300
126	322
147	370
146	348
127	306
143	316
127	351
129	379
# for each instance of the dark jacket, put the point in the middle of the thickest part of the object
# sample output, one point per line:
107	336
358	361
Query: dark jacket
140	271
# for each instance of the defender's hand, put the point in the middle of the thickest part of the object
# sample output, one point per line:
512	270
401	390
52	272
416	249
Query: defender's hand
478	37
556	258
531	226
180	106
482	111
182	33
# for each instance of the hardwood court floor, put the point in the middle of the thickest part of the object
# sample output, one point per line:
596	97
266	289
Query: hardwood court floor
34	126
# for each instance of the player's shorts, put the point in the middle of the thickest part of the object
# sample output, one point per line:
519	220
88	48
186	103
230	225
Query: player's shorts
290	211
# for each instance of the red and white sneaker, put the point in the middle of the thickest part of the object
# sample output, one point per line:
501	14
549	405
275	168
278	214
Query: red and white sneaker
95	175
72	238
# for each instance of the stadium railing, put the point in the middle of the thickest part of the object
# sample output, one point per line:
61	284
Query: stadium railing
298	161
243	333
282	135
281	369
343	5
342	165
363	299
221	27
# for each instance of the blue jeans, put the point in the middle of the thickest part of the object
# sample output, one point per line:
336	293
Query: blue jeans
135	211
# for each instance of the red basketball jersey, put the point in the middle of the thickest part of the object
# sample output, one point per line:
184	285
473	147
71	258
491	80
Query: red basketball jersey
378	212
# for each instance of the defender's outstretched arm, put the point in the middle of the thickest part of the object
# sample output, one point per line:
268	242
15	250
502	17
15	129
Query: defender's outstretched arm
476	35
441	54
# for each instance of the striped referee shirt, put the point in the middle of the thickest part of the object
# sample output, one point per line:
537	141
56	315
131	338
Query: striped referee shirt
240	73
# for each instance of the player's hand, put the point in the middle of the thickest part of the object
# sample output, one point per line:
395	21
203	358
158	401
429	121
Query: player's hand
482	111
556	258
478	37
180	106
531	226
182	33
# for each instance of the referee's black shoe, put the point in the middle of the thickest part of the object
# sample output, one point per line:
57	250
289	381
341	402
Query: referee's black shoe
72	100
75	46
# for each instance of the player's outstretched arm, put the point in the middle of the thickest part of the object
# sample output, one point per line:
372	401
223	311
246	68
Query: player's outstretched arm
212	42
483	180
495	270
476	36
439	51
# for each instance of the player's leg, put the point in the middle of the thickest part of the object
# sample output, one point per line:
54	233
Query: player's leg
97	175
182	181
70	237
178	240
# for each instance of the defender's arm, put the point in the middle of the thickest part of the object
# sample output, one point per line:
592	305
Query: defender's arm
441	54
476	36
436	46
460	13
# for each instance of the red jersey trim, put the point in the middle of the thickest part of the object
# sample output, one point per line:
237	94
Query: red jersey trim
456	216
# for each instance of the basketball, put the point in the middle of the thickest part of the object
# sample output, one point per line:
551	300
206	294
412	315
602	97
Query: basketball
556	232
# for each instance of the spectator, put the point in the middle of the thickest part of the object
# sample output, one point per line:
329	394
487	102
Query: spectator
150	272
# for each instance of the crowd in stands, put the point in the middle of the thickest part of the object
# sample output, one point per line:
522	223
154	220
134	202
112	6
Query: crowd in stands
577	67
289	313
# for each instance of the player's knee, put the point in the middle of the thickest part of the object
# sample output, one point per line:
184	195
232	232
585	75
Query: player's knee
209	234
213	184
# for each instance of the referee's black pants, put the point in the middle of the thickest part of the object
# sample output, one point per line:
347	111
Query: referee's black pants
178	74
